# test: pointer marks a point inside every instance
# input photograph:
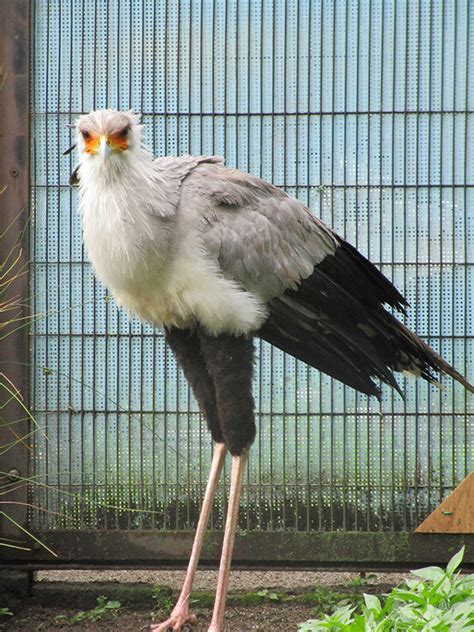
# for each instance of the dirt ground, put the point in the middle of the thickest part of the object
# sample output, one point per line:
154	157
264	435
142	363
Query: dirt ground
264	617
288	598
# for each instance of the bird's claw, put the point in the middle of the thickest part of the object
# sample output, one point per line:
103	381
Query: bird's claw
180	621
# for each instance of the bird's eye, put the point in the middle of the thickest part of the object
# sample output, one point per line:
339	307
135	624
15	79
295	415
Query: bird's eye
124	132
85	135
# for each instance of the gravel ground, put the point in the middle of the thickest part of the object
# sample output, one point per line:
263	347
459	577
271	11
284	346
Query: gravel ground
206	580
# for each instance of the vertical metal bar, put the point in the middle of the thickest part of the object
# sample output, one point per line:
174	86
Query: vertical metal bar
417	201
47	302
118	483
106	316
83	266
285	183
394	484
93	483
165	347
58	270
14	205
356	436
369	184
179	412
70	277
344	491
249	83
428	307
381	120
441	153
261	498
297	119
455	480
144	502
308	159
405	256
467	442
128	322
154	335
333	132
344	204
320	414
272	350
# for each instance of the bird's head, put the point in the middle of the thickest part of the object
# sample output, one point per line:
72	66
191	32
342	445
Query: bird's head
107	133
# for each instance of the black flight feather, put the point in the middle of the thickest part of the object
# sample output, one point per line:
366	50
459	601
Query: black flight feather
336	322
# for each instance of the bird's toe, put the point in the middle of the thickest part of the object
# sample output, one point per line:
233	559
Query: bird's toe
179	622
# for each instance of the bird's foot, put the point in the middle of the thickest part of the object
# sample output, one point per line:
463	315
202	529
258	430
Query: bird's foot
180	619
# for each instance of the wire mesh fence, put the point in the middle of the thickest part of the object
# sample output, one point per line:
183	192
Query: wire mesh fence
365	112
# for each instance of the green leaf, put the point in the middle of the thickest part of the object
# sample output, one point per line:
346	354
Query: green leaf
408	614
343	615
455	561
460	612
408	596
372	602
412	583
314	624
432	573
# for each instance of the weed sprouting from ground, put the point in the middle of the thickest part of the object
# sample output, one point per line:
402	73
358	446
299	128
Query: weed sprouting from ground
435	599
163	597
104	607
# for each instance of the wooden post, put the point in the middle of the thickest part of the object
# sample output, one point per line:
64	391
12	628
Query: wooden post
14	246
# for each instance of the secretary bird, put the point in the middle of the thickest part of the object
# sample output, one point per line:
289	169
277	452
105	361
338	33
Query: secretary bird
216	257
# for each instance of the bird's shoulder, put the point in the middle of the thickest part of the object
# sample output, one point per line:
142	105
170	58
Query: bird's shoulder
261	237
179	167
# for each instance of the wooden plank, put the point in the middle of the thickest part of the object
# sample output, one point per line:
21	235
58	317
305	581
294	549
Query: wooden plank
455	514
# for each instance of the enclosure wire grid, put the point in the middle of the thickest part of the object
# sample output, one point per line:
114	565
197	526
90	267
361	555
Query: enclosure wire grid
364	112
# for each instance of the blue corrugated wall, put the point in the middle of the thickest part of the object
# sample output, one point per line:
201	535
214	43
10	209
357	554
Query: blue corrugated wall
364	110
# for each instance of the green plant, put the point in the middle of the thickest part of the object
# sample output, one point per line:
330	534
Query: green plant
361	580
266	595
163	597
325	600
6	612
437	599
104	606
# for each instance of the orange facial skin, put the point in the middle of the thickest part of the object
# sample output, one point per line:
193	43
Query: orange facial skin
91	143
118	141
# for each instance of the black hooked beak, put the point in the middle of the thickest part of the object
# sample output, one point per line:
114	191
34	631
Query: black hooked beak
74	178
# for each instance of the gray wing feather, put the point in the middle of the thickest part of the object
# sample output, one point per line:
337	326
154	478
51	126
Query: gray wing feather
261	237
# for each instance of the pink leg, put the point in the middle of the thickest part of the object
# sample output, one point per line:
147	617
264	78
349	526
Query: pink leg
238	469
180	615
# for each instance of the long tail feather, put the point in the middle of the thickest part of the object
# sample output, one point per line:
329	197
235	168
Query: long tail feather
336	322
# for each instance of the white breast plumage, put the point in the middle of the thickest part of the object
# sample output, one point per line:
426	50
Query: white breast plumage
132	247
